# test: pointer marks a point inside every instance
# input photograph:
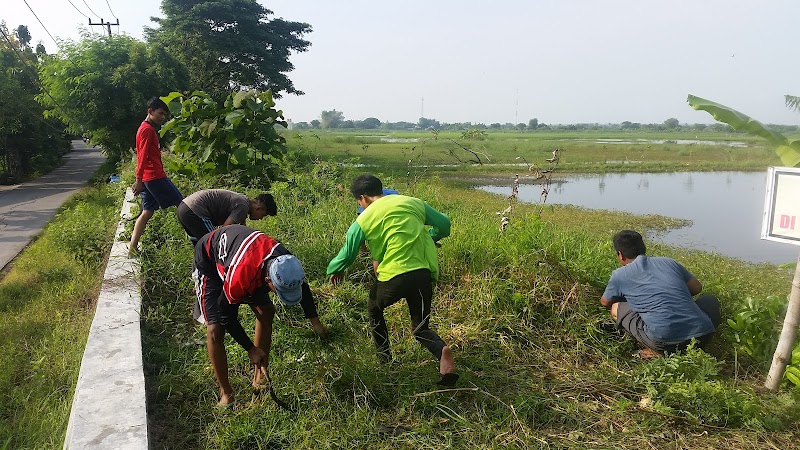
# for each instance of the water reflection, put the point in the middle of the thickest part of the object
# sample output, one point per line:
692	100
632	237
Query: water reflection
688	185
725	207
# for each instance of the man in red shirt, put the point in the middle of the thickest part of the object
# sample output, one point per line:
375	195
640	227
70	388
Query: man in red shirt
157	191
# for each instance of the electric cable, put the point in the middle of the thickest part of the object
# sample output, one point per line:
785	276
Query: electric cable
25	63
112	12
40	22
90	9
76	9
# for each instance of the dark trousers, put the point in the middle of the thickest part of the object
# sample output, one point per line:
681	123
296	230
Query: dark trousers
632	322
194	225
416	287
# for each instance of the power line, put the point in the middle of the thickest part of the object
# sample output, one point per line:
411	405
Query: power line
40	22
45	29
76	9
112	12
24	63
90	8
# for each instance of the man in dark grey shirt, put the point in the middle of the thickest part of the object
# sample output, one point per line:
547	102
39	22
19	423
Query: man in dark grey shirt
205	210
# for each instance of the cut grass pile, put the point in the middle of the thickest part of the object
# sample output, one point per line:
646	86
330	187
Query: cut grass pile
541	364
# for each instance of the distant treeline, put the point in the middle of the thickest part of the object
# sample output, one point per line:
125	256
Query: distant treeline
335	119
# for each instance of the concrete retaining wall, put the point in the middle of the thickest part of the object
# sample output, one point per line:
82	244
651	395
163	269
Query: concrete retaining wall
109	409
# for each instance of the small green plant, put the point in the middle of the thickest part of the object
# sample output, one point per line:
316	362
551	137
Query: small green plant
237	138
79	234
474	134
757	329
686	385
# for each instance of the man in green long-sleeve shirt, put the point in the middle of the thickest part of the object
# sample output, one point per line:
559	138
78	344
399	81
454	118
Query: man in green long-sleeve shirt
393	227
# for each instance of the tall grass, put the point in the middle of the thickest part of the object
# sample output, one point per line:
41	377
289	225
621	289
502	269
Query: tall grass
541	365
47	302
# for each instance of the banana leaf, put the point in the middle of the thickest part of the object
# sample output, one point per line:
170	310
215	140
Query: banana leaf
788	151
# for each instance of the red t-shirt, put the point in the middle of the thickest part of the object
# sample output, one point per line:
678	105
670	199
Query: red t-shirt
148	154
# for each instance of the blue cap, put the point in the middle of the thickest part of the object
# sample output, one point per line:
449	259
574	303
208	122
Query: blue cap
287	275
359	210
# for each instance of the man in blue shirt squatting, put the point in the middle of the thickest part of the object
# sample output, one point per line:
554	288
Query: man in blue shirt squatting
393	226
237	265
651	298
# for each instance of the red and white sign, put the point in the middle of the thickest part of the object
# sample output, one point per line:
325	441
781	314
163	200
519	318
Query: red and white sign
782	206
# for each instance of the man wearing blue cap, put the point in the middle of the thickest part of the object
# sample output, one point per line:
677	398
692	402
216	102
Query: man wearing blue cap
236	265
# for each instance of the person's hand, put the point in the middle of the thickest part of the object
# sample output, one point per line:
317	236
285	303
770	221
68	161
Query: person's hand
258	358
137	187
336	278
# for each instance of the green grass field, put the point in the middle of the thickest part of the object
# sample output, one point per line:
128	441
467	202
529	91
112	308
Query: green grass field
579	151
541	364
47	301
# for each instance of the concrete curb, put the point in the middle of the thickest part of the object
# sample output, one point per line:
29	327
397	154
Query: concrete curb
109	408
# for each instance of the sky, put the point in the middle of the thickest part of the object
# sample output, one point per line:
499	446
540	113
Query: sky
560	61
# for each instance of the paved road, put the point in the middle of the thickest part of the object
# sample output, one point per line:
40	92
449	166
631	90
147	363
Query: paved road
26	208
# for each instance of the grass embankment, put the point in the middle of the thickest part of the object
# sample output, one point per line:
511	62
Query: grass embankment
580	151
541	365
47	301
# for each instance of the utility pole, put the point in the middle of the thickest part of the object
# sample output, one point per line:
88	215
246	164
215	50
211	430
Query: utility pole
422	108
105	24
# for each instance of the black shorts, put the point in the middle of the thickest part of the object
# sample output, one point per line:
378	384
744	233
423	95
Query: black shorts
195	226
212	306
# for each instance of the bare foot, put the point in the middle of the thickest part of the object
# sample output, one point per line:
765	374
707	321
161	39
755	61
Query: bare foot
647	353
133	253
447	364
260	379
319	328
225	400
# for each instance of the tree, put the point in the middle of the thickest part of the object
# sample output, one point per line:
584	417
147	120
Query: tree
315	123
789	152
24	36
521	126
474	134
331	119
672	123
370	123
236	140
428	123
28	141
228	45
533	124
100	85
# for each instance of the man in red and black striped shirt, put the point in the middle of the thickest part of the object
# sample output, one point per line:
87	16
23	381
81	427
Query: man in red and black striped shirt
236	265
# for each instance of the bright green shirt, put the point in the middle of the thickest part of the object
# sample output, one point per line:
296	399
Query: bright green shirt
393	227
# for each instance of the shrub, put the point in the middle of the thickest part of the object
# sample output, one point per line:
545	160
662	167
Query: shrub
685	384
757	329
78	231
